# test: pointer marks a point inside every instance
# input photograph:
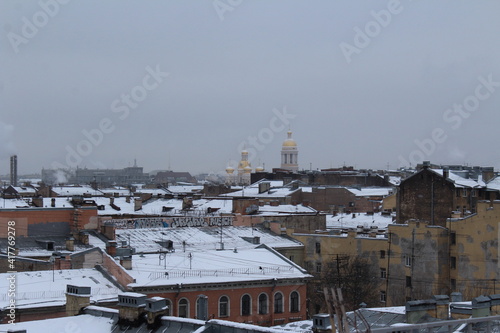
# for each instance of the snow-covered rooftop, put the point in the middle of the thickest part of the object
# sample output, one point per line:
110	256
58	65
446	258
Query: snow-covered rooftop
285	210
494	184
87	323
202	238
276	190
370	191
47	287
155	206
185	188
351	221
75	190
461	181
212	266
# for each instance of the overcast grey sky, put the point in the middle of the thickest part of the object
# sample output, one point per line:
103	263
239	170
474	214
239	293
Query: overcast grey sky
365	83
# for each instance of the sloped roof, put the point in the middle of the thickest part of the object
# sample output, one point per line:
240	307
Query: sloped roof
212	266
460	181
276	190
202	238
370	191
45	287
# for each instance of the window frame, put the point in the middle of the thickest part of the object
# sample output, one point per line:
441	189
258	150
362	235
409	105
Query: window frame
242	307
179	306
227	307
383	296
407	260
294	302
280	304
263	304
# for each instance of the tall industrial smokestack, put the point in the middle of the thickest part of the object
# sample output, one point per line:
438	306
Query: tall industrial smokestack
13	170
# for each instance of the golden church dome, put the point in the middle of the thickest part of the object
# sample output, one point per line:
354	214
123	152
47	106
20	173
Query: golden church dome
289	142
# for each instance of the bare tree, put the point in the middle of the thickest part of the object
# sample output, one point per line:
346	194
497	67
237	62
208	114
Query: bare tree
357	278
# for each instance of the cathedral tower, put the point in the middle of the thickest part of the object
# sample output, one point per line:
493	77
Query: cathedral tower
290	154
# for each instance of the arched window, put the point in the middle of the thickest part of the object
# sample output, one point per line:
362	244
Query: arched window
202	307
278	302
294	302
246	305
183	308
169	308
263	303
224	306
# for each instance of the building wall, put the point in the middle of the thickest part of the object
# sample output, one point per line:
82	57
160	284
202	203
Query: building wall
389	203
426	196
46	221
338	178
420	252
40	313
24	264
475	250
87	259
235	292
116	270
322	250
306	222
331	199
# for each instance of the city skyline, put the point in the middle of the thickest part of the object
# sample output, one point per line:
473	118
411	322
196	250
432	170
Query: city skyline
187	86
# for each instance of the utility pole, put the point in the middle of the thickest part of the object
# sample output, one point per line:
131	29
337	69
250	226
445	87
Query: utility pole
388	271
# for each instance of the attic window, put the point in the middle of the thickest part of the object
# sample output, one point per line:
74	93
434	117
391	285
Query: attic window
50	246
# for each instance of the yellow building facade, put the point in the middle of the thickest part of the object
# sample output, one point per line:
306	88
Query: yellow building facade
417	260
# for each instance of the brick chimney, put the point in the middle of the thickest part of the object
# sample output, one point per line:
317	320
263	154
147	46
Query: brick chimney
417	310
37	201
156	307
77	297
137	204
70	244
446	172
130	308
442	306
481	307
111	248
495	304
487	174
126	262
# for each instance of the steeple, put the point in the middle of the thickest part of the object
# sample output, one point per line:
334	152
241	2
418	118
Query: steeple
289	154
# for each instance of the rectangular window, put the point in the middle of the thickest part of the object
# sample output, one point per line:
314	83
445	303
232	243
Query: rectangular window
383	273
407	260
453	238
453	262
464	192
382	296
318	267
408	281
473	193
453	284
382	254
318	248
